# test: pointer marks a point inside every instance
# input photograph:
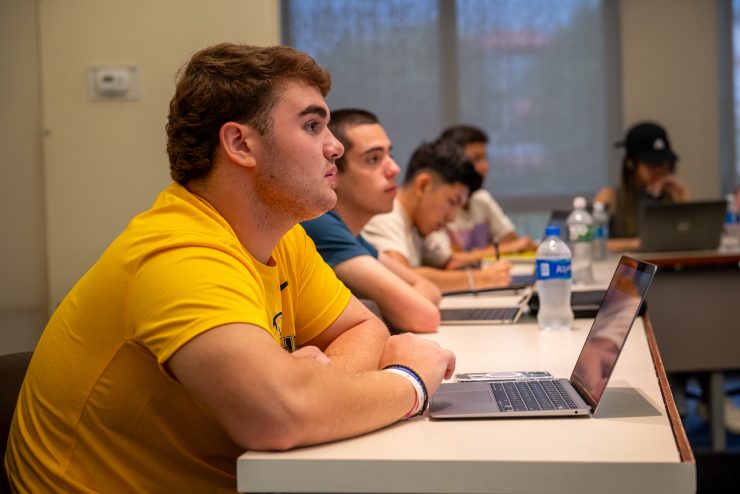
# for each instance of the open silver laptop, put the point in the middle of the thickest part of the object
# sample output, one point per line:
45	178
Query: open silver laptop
681	226
579	395
491	309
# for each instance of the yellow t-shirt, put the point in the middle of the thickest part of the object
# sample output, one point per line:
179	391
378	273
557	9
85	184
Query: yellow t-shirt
99	412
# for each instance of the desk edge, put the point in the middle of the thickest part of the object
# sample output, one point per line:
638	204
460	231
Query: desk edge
701	259
679	434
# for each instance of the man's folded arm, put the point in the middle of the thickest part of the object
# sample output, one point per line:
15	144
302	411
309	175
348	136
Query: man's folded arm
402	305
355	340
266	399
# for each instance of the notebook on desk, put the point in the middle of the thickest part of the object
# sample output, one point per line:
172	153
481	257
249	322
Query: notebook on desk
577	396
681	226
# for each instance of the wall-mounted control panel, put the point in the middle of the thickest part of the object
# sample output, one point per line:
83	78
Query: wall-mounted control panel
113	82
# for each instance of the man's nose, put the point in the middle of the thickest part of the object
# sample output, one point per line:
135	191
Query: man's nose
333	149
393	169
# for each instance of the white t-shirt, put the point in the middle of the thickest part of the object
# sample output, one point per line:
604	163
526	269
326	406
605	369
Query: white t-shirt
394	232
481	223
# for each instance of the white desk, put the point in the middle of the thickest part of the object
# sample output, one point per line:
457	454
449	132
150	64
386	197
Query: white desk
630	446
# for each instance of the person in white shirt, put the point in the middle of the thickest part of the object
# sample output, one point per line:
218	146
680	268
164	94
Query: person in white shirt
482	227
438	181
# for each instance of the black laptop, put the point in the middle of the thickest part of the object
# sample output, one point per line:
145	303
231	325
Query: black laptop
695	225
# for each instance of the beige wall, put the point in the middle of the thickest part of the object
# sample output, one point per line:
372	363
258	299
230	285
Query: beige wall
670	68
105	161
22	253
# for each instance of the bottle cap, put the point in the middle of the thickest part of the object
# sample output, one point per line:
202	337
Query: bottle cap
552	231
579	202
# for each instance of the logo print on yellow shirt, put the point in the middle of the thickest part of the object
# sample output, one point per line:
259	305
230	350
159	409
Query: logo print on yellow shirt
287	342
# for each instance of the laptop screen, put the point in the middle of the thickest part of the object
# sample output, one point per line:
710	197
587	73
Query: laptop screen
610	328
681	226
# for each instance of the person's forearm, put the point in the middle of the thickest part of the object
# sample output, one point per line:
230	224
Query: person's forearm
420	284
446	280
462	259
357	403
508	236
267	399
350	405
509	247
414	314
359	348
496	275
428	290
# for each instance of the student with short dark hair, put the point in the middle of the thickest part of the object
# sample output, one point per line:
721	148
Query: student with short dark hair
366	186
481	223
438	181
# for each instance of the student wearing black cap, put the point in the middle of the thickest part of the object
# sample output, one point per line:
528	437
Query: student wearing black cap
648	176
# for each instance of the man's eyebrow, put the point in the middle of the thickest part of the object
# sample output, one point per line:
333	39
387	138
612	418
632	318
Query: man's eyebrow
372	150
314	109
377	148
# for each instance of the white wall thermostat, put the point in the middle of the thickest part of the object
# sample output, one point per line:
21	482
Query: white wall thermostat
106	83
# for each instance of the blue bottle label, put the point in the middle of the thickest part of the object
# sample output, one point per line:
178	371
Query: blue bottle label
552	269
601	232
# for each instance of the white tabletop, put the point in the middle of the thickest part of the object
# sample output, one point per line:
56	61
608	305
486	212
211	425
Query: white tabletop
628	446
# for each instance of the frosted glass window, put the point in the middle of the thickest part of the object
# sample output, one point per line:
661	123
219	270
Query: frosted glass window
539	76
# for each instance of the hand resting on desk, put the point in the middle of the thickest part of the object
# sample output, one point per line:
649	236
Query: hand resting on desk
432	362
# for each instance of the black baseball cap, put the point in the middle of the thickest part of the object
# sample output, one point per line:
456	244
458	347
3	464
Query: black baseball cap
648	142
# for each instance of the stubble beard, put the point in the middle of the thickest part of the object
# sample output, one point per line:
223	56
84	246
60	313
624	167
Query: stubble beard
283	191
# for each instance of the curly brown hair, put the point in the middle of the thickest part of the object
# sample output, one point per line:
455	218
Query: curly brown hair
229	82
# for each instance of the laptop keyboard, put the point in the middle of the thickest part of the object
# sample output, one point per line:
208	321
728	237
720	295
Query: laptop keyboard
531	396
480	314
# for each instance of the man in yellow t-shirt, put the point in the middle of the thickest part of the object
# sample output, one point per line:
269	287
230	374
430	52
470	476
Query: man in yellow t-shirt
211	325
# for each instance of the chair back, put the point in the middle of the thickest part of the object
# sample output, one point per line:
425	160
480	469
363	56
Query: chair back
12	371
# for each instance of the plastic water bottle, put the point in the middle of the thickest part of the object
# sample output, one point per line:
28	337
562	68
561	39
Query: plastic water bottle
554	282
731	229
601	231
581	237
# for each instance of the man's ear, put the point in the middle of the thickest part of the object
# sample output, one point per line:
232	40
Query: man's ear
237	143
423	183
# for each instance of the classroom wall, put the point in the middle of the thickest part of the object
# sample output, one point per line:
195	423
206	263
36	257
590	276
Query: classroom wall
670	69
22	252
22	242
106	161
69	193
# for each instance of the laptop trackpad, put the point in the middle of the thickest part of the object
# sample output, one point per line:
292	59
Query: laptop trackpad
462	401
